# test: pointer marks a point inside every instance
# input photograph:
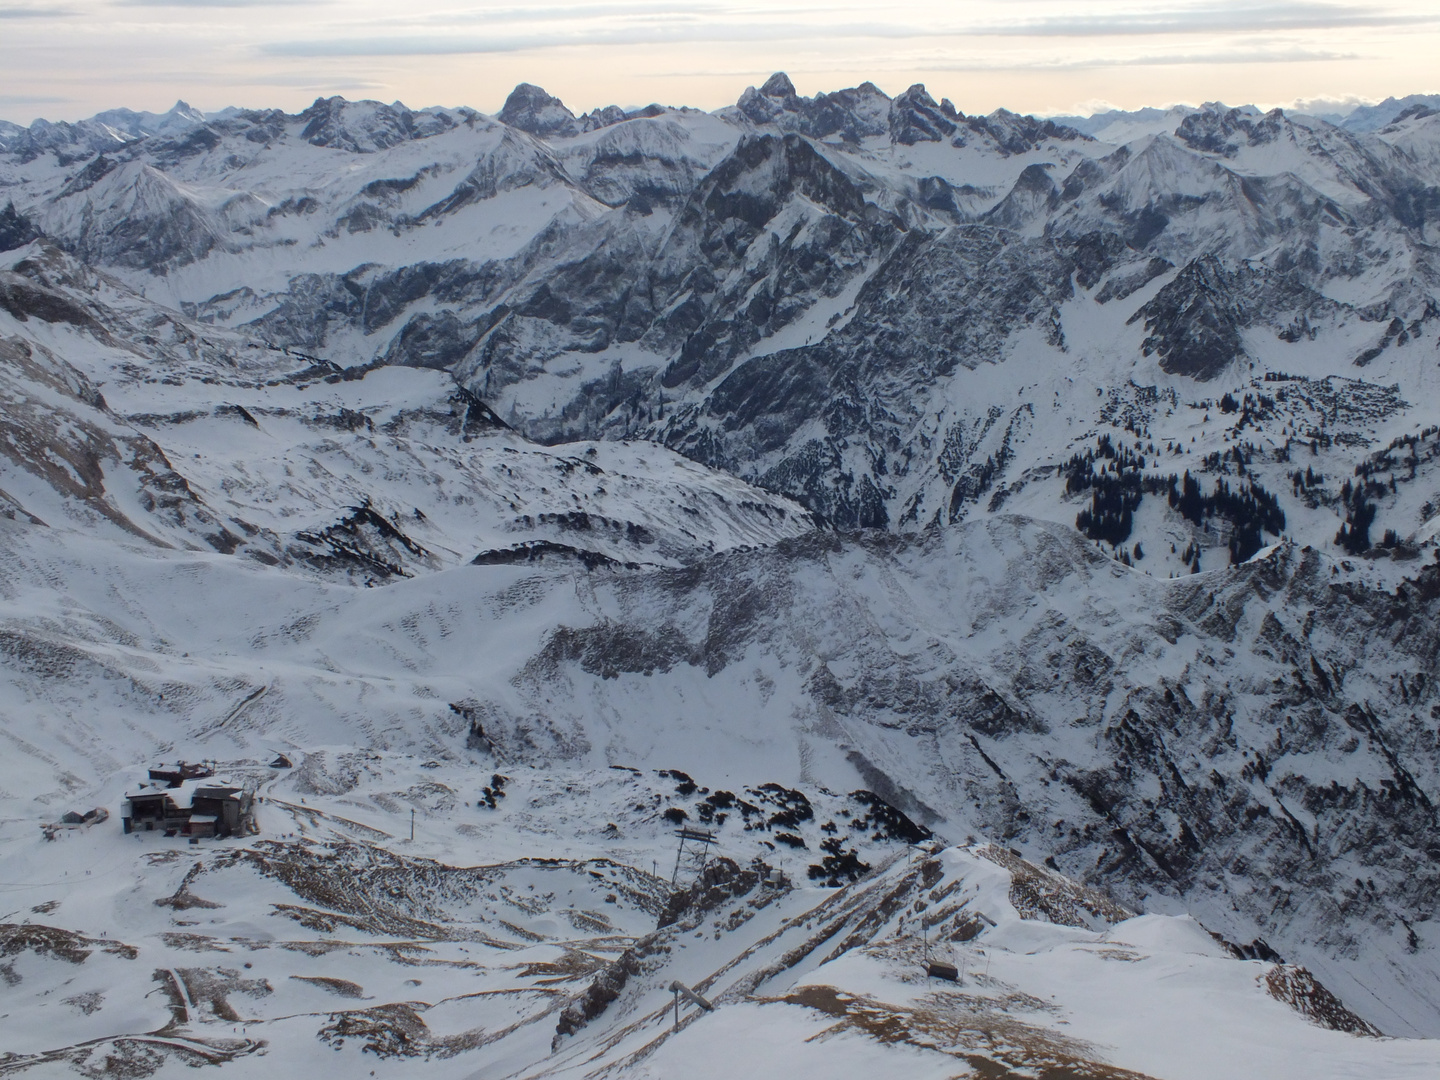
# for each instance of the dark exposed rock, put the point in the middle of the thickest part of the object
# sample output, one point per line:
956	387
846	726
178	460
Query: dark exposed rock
599	118
432	341
24	299
362	127
915	117
1418	111
175	149
1015	133
1223	133
89	176
1194	322
365	540
537	550
1298	988
16	230
849	115
531	109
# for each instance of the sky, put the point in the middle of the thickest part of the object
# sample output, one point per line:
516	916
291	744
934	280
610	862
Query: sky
66	59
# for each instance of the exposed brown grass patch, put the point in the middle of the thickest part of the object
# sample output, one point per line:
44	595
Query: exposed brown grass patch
996	1044
573	965
340	987
176	939
1299	989
66	945
212	987
1041	894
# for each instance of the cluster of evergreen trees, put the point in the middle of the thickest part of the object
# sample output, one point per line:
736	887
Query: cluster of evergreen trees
1116	489
1250	511
1304	481
1354	534
1118	486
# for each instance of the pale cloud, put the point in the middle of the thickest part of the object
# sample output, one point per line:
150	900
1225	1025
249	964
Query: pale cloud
1025	54
1211	19
217	3
454	44
31	99
1161	60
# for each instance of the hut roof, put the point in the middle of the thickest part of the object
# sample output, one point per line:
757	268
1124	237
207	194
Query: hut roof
183	797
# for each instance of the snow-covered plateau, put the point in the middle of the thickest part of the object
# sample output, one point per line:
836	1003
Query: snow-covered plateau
1013	541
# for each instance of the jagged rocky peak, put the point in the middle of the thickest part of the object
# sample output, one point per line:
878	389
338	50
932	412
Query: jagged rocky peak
531	109
778	85
1218	130
69	142
851	114
772	101
599	118
365	127
1016	133
611	115
867	101
182	117
916	117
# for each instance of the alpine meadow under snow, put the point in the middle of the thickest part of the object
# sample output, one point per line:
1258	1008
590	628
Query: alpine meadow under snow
1013	540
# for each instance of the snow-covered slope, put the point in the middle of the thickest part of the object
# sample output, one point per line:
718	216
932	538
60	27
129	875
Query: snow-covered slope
890	311
122	413
344	944
1181	742
825	472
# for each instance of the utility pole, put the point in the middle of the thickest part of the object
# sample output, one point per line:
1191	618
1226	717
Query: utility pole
412	824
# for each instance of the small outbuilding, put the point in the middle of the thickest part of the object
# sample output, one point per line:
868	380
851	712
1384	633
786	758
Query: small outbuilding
72	820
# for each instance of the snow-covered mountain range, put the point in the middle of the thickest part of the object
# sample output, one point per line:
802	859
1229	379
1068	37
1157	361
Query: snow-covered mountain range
1063	491
825	295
